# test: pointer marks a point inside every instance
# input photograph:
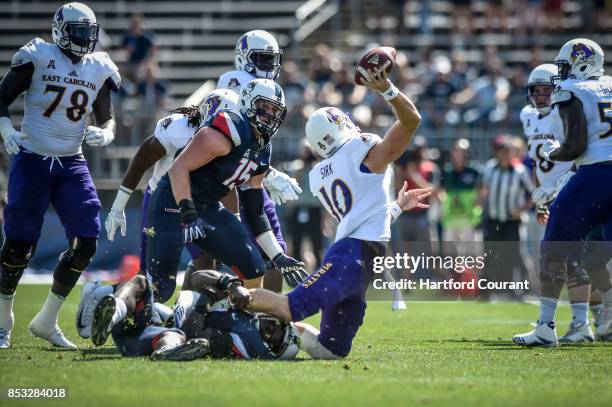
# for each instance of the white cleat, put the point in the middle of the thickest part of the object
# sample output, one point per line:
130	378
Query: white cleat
543	335
5	332
579	333
398	305
603	326
87	305
52	334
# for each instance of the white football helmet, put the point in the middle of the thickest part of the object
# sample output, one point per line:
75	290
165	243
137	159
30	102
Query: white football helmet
328	128
75	29
255	96
579	58
257	53
217	100
541	76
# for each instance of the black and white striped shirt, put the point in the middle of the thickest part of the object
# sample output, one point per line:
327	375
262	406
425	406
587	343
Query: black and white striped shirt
509	189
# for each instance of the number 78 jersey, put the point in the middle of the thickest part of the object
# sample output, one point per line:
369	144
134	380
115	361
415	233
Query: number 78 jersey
358	200
60	97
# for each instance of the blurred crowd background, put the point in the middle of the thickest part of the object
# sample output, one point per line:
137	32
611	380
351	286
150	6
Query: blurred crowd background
464	63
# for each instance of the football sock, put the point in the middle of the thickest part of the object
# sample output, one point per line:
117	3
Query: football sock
120	311
6	306
606	298
596	310
51	308
580	313
548	306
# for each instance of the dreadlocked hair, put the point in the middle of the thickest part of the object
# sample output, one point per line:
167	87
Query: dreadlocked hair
194	117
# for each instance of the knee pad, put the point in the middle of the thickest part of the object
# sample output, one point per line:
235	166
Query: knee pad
73	261
14	258
577	276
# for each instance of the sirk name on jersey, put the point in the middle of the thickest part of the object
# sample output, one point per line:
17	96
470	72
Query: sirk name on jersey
68	80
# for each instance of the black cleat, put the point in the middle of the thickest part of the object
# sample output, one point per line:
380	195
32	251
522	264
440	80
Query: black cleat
101	324
193	349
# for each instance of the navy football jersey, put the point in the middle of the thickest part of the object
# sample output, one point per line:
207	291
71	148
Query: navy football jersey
247	158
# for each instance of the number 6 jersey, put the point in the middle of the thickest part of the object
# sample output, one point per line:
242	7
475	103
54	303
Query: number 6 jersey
538	129
356	198
60	97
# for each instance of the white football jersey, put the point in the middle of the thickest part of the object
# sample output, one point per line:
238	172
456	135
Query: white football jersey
537	130
173	132
358	200
596	98
234	80
60	97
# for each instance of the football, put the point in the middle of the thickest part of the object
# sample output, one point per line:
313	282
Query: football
375	58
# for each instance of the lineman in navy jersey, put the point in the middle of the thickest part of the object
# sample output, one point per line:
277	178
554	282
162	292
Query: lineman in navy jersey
161	239
233	151
63	83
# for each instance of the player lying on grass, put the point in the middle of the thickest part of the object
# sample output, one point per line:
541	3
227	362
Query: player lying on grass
352	183
201	324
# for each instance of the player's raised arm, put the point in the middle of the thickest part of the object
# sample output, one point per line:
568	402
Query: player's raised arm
399	136
14	83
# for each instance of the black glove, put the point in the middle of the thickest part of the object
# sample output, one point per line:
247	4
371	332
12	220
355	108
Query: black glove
193	227
292	269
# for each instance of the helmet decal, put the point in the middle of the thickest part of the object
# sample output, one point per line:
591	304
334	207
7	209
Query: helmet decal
212	104
582	54
59	15
243	43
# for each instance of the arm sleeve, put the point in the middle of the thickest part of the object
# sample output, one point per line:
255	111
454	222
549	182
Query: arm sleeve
252	203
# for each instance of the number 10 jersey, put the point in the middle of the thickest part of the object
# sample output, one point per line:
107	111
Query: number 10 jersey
356	198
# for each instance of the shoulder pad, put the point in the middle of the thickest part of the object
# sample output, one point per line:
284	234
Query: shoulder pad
228	123
109	69
173	131
561	96
28	53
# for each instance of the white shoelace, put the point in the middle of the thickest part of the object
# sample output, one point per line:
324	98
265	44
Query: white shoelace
53	159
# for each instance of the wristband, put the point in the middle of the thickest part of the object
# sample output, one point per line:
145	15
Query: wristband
123	195
188	211
390	93
267	241
395	210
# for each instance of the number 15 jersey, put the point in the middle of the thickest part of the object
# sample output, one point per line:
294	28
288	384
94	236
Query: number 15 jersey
358	200
60	97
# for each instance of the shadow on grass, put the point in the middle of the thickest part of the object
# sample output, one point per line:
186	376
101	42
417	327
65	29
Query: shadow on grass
93	354
507	344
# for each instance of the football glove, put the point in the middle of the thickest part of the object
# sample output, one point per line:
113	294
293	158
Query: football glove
97	137
542	195
281	187
194	228
548	147
115	220
116	217
292	270
12	138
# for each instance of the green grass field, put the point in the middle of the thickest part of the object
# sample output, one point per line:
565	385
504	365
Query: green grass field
433	354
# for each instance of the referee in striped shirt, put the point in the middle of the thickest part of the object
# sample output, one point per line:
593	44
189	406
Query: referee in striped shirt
505	194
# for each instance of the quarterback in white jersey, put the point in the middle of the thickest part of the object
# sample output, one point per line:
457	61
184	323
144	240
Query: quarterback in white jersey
583	98
352	184
64	82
